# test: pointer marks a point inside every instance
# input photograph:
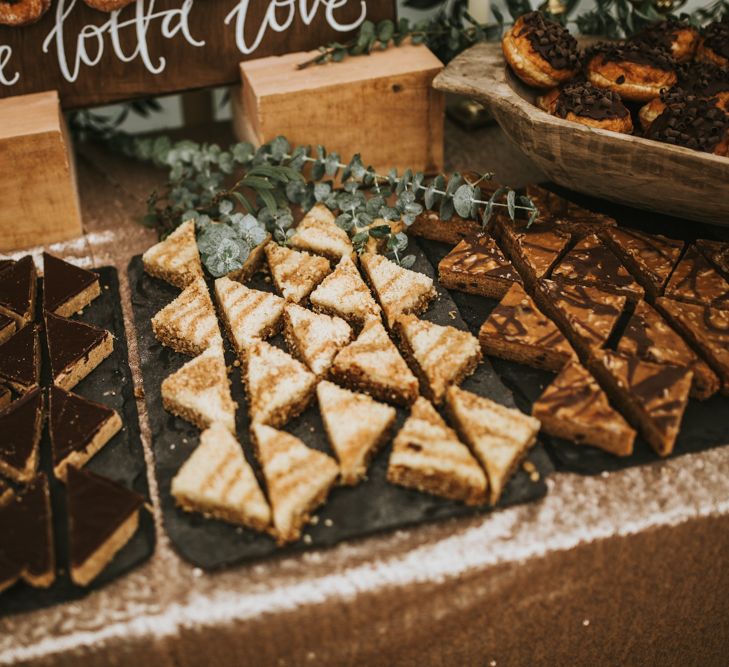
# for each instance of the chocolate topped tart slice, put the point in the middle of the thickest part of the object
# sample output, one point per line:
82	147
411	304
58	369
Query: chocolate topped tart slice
717	252
649	257
103	516
67	288
18	291
570	216
75	349
78	428
7	327
648	336
477	266
574	407
21	425
695	280
652	397
26	549
591	262
20	360
517	331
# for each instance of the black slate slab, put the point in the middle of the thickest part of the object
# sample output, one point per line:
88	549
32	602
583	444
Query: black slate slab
122	459
352	512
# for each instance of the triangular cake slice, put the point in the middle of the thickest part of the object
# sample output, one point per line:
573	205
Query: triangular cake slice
717	252
103	516
298	479
356	425
499	437
20	360
249	315
67	288
218	481
188	324
428	456
319	234
199	392
21	425
344	293
26	550
652	397
18	287
295	274
278	386
177	258
695	280
574	407
441	355
372	363
7	327
75	349
315	338
399	290
78	428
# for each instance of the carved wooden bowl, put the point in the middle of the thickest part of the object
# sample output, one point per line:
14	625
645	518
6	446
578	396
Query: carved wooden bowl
619	167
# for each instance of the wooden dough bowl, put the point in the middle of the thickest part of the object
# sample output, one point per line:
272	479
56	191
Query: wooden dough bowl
619	167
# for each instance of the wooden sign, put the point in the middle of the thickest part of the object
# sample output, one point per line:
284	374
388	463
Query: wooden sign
152	47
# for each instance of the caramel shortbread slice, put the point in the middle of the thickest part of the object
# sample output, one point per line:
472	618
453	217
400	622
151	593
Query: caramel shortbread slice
371	363
429	225
570	216
20	360
344	293
218	481
477	266
399	290
298	479
648	336
21	425
199	392
7	327
695	280
177	258
295	274
278	386
517	331
428	456
652	397
356	425
441	355
18	288
317	233
574	407
499	437
67	289
314	338
717	252
248	314
188	324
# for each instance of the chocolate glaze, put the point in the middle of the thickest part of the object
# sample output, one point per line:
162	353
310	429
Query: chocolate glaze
655	255
634	52
17	287
584	99
696	124
550	40
479	255
5	263
20	357
717	253
20	428
716	36
575	390
70	341
663	33
62	281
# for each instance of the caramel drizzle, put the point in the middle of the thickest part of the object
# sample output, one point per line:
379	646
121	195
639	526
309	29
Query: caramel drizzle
654	391
596	262
508	321
651	249
699	279
579	395
577	297
482	257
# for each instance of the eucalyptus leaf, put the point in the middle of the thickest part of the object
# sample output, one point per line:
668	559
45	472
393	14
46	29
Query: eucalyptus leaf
462	200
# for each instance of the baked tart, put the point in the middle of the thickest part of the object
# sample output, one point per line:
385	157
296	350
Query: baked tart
22	12
676	35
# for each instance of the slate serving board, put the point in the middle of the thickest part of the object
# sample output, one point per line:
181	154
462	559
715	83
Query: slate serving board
121	459
372	506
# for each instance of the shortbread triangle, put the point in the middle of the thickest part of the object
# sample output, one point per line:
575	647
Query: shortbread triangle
372	364
218	481
498	436
278	386
318	233
188	324
295	274
428	456
344	293
398	290
177	258
314	338
357	426
200	392
443	355
248	314
298	478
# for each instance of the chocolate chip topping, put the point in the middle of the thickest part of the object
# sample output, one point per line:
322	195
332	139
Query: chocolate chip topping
696	124
662	33
550	40
703	79
584	99
716	36
636	52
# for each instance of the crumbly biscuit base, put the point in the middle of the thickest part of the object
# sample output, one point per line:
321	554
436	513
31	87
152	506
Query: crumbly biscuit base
180	279
303	517
72	375
446	231
78	458
548	359
617	442
355	379
80	301
436	484
489	286
167	337
222	513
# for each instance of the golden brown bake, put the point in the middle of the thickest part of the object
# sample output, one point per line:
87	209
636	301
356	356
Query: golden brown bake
22	12
541	53
697	124
675	35
714	44
108	5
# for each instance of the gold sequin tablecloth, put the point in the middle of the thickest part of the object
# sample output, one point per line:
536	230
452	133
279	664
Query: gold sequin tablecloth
627	568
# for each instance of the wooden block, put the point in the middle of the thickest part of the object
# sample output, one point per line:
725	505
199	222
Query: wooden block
37	177
382	106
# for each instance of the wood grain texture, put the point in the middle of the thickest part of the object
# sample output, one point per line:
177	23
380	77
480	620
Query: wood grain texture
382	106
619	167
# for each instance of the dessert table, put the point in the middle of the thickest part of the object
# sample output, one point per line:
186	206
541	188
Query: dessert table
621	568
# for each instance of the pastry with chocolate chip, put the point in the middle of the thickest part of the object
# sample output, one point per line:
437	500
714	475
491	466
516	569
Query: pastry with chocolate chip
697	124
22	12
540	52
635	70
586	104
714	44
675	35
